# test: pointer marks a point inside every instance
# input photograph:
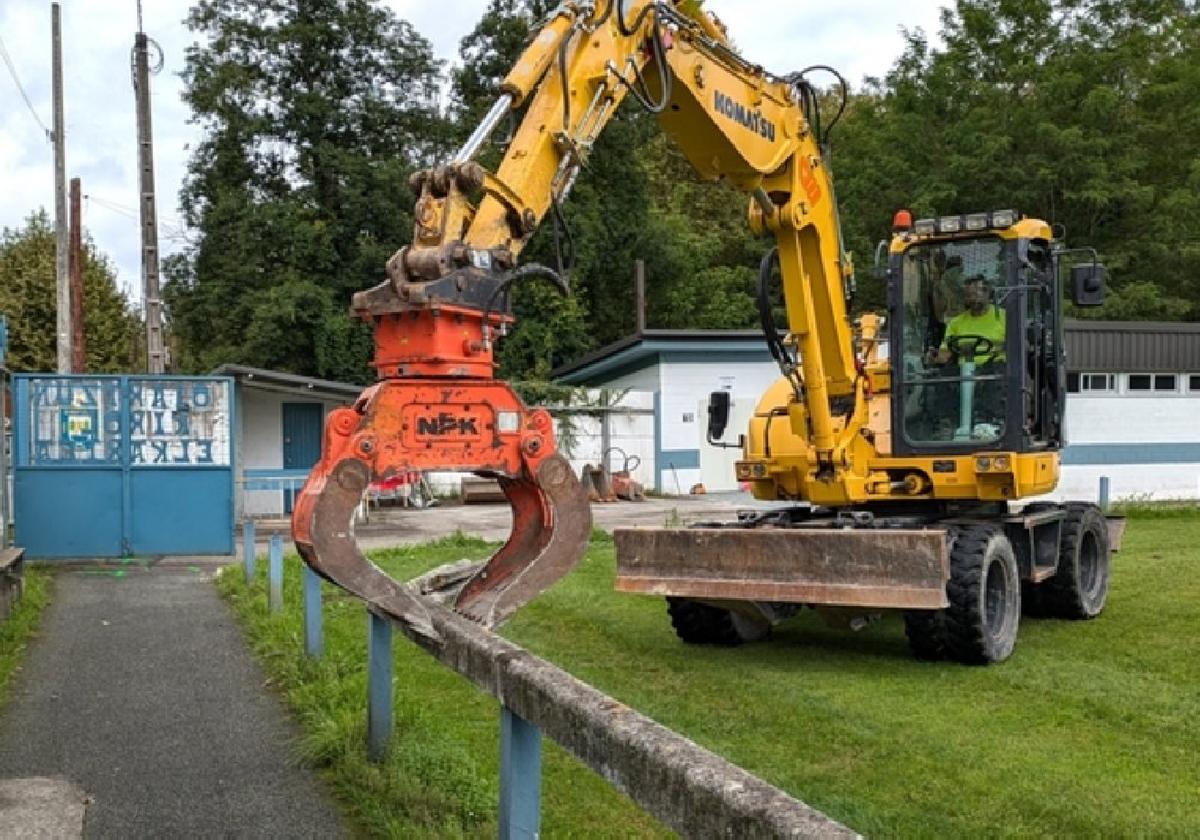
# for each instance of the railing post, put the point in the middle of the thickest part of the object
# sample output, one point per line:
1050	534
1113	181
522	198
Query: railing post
520	777
275	574
379	686
248	549
1105	489
313	643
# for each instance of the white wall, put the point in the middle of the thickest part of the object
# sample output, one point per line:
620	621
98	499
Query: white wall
1129	481
1136	420
1133	418
260	439
717	463
631	433
648	378
686	386
684	383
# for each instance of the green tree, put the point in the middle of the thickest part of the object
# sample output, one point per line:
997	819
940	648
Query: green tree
28	297
1075	111
315	113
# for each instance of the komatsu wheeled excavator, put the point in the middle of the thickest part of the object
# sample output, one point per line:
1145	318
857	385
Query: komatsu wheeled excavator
901	443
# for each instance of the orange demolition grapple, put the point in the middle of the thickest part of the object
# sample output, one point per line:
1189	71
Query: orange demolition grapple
436	407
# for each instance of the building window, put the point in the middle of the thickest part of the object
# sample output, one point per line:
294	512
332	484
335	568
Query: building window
1194	382
1091	383
1158	383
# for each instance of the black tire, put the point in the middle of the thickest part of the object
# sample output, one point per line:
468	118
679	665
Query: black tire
1079	589
701	624
1033	600
926	632
985	596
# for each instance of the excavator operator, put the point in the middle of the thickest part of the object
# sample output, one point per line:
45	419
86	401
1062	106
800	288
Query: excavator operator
981	318
973	347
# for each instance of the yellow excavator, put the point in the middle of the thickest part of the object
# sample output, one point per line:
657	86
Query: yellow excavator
902	443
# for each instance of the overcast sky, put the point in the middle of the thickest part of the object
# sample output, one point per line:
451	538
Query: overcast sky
859	37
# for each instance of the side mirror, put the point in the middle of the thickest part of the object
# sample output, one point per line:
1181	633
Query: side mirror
718	414
1087	284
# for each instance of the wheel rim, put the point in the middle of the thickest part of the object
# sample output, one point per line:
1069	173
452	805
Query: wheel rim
996	600
1089	564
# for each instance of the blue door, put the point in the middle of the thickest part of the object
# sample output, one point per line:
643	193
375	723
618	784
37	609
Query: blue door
301	442
115	466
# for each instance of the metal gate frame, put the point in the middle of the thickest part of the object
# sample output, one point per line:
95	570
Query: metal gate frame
117	505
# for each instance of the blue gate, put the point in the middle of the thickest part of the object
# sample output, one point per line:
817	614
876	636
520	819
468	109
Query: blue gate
118	466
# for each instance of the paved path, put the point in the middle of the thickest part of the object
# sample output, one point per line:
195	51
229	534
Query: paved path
140	691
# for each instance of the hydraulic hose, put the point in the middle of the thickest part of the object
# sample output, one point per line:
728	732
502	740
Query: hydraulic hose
525	272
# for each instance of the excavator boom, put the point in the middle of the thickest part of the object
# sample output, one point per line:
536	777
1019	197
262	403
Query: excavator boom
445	299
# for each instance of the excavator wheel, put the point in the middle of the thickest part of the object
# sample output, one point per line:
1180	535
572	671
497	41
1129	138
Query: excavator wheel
985	595
1079	588
926	632
701	624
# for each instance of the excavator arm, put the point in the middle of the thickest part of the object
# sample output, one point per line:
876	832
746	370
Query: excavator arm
437	405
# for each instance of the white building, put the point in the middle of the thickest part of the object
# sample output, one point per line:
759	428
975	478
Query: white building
279	422
1134	410
1133	414
680	368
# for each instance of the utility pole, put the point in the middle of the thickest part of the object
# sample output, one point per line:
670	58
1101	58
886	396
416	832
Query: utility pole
155	354
78	337
60	198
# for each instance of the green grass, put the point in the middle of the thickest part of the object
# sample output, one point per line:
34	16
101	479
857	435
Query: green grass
1089	730
21	624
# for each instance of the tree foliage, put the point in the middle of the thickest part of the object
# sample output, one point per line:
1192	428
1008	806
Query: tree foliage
28	296
1074	111
315	113
1081	112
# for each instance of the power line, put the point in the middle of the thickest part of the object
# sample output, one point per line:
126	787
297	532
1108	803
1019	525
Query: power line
173	229
12	71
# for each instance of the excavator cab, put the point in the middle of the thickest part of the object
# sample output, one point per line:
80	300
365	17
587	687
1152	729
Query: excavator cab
976	322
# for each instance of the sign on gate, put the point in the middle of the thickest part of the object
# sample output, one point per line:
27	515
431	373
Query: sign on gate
123	465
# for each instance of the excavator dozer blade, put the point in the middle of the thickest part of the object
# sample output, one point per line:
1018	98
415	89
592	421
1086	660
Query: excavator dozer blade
884	568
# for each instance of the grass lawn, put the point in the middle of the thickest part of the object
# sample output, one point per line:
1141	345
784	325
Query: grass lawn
1089	730
21	624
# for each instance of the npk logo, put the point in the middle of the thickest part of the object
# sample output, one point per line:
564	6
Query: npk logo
446	424
748	117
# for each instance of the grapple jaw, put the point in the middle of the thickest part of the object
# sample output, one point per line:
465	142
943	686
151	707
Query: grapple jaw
456	425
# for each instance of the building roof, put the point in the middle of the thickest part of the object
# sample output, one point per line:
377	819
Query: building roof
645	348
1132	346
288	381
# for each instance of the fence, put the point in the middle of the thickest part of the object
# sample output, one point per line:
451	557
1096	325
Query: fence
688	788
116	466
5	437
